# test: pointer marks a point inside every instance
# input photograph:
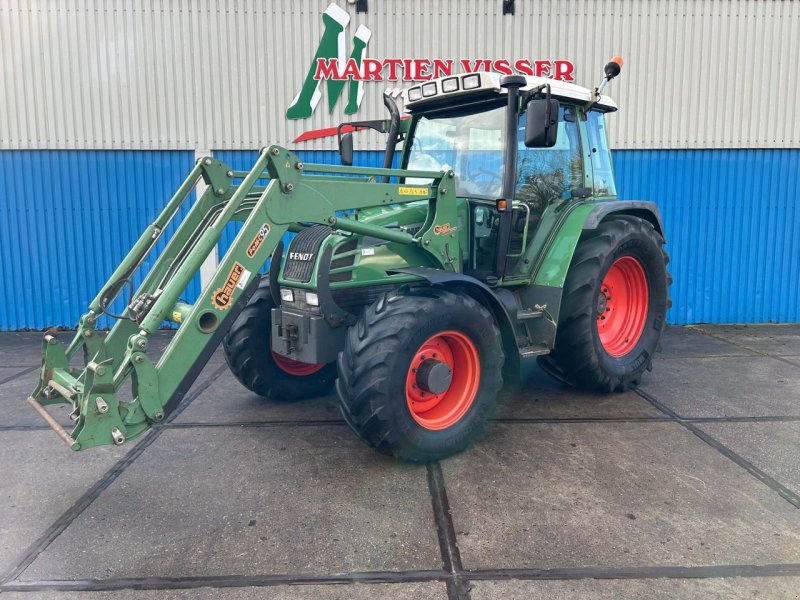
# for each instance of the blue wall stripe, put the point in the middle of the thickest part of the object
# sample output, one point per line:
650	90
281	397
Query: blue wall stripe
67	218
732	220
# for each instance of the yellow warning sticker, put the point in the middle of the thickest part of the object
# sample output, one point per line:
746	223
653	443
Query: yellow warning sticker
176	316
412	191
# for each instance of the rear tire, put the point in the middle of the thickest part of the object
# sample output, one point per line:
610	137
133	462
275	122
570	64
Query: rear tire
398	338
614	306
250	358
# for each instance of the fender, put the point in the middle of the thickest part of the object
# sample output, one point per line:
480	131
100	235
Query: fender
555	265
501	302
637	208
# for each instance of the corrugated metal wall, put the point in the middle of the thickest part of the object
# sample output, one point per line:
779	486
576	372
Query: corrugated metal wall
186	74
67	218
732	219
103	106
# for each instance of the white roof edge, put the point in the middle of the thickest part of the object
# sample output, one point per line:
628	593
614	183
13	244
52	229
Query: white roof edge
561	89
564	89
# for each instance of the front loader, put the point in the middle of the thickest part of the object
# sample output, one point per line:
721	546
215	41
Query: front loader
414	291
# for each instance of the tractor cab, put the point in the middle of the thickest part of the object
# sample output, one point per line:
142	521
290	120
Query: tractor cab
462	124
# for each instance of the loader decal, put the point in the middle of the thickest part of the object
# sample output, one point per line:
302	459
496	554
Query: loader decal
257	241
445	229
223	296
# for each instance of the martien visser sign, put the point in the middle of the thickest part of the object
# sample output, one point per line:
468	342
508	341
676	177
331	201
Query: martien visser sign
337	70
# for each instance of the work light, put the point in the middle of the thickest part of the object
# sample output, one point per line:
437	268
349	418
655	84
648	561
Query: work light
429	89
450	85
471	82
414	94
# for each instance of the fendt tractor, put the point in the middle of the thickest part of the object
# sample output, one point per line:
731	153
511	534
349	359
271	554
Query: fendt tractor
415	291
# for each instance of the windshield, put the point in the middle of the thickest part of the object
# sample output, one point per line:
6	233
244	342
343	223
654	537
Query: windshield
471	144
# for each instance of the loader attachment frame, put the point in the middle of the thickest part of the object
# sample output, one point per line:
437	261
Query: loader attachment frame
277	195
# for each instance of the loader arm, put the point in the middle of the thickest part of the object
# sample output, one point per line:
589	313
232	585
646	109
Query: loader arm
278	194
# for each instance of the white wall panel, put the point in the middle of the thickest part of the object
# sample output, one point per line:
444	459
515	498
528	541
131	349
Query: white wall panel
164	74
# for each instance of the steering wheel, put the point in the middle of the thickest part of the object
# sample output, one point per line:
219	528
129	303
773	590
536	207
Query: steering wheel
486	187
493	176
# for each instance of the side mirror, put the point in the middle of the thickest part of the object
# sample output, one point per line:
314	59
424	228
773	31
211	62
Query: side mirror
541	125
346	149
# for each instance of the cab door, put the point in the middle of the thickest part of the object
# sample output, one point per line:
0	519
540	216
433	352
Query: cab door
546	179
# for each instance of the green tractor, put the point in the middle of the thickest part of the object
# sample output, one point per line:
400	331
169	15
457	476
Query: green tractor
416	292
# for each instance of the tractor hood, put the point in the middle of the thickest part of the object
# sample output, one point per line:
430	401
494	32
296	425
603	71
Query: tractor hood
358	260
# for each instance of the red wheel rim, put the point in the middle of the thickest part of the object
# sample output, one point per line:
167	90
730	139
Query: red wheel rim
294	367
440	411
622	306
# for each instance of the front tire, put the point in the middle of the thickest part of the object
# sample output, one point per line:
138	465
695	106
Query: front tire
614	307
249	355
420	372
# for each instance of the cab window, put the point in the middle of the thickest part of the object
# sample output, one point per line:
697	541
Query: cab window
545	176
468	142
602	170
548	175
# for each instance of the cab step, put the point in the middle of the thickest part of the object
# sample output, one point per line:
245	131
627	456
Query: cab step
535	350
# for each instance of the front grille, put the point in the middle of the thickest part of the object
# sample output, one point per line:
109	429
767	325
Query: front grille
305	245
354	300
345	261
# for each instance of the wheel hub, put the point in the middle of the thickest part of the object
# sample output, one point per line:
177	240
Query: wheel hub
434	376
622	306
442	380
602	303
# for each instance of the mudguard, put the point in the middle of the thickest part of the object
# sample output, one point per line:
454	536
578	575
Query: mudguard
637	208
500	301
554	267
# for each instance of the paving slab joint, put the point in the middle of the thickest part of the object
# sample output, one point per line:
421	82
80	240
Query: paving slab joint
457	585
74	511
722	338
17	375
777	487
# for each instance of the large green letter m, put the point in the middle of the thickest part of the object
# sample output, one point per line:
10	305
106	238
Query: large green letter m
331	46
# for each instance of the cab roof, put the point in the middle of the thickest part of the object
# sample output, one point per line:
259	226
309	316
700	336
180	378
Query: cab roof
485	84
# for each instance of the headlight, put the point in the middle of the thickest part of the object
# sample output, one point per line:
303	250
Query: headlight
450	85
312	299
287	295
414	94
471	82
429	89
